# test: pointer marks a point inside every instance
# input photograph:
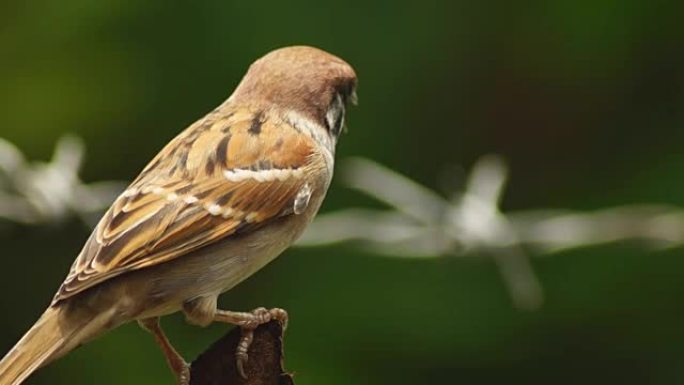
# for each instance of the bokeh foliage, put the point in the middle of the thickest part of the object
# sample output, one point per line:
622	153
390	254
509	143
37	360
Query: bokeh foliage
583	98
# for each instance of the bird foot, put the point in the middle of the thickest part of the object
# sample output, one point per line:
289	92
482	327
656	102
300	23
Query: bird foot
256	317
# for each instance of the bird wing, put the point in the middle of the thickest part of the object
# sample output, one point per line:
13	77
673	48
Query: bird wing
226	174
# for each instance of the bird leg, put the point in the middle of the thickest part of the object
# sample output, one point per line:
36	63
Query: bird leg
180	368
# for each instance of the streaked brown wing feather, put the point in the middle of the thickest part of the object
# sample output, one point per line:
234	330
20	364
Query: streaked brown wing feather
183	200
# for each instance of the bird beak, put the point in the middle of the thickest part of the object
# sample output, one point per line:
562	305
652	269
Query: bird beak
353	98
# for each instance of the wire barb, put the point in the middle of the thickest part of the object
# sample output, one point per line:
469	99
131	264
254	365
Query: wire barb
49	192
421	224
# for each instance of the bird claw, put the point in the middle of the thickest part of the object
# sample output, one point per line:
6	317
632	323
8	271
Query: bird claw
259	316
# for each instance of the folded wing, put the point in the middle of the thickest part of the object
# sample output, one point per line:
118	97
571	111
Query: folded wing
229	173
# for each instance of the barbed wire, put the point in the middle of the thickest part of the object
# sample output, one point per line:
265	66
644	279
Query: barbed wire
422	224
418	223
35	193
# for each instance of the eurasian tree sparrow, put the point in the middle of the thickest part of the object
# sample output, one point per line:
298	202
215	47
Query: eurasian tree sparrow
220	201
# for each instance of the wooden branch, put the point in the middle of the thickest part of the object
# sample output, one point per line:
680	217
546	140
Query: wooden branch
217	366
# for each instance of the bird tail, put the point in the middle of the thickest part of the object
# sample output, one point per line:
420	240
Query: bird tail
57	332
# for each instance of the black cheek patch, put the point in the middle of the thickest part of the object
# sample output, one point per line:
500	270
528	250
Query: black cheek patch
338	124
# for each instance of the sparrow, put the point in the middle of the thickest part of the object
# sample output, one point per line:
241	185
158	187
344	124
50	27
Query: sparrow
221	200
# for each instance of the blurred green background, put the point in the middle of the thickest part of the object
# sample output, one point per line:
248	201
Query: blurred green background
583	98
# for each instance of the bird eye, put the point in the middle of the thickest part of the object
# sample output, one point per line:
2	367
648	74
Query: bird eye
335	115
